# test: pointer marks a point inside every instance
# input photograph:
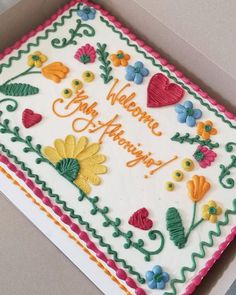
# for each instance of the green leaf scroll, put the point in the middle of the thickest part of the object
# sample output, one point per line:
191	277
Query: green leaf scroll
105	63
18	89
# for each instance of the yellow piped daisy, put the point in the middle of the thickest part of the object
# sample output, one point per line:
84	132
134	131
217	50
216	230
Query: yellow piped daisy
77	161
36	59
210	211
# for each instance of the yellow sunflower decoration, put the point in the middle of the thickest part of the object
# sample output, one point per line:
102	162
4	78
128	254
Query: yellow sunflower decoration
77	161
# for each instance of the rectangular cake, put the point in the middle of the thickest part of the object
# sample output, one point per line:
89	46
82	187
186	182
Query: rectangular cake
135	163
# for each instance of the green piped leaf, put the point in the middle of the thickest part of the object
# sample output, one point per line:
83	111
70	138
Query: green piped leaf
18	89
175	227
69	168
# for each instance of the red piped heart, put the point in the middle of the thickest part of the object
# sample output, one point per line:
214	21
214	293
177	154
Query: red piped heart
139	219
30	118
163	93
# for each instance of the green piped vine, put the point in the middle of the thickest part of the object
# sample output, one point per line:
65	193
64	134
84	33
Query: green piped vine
139	245
154	62
79	31
105	63
191	140
11	106
202	252
230	146
71	213
227	183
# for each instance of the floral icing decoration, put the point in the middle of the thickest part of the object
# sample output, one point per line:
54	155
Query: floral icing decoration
187	164
204	156
136	73
55	71
88	76
197	187
76	84
77	161
140	219
30	118
169	186
36	59
120	58
86	13
86	54
66	93
177	175
187	114
205	130
157	278
211	211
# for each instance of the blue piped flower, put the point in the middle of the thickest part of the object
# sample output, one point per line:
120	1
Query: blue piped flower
136	72
157	279
86	13
187	114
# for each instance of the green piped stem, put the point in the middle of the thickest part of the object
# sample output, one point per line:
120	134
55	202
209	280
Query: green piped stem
193	225
191	140
24	73
105	63
15	137
229	146
11	106
225	171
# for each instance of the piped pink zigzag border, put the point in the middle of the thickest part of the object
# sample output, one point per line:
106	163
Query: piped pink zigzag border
120	273
197	279
132	37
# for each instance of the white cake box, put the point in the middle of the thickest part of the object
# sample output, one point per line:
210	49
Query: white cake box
197	37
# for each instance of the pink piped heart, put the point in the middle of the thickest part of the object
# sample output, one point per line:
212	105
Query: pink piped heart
30	118
140	219
161	92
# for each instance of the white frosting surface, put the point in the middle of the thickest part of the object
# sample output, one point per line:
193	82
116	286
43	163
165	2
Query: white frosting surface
124	190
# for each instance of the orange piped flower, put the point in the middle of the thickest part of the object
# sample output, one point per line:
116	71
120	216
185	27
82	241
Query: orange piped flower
197	188
120	59
55	71
205	130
